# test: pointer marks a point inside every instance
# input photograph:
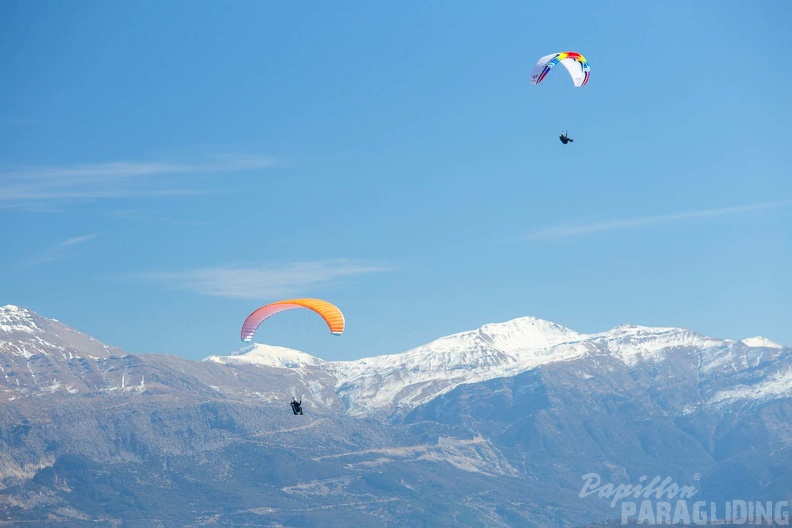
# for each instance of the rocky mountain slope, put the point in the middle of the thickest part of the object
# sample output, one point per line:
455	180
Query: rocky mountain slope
490	427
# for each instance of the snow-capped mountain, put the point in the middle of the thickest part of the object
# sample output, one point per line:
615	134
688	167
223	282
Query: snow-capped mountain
40	355
23	333
268	356
760	342
421	374
633	344
521	409
725	369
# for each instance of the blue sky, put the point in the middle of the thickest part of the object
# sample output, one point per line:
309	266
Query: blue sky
168	167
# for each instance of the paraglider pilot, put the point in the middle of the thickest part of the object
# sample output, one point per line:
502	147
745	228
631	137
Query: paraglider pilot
296	406
564	138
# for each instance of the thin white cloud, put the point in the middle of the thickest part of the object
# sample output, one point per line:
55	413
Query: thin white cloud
147	217
113	180
60	250
584	229
265	281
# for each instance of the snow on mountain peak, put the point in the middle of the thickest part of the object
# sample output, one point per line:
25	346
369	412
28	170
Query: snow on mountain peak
760	342
526	334
633	343
268	356
387	383
418	375
17	319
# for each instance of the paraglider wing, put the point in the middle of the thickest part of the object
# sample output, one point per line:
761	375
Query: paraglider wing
329	312
575	63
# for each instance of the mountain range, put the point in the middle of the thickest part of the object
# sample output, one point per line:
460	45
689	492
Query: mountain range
492	427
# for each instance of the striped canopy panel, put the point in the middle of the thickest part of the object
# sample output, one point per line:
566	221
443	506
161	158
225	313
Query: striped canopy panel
329	312
575	63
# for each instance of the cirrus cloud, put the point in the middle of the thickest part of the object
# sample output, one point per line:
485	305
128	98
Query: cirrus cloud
120	179
60	250
264	281
611	225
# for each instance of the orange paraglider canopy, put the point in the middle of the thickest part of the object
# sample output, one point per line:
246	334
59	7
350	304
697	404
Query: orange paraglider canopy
329	312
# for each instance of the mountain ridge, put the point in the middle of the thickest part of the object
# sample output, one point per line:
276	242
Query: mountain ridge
521	409
400	382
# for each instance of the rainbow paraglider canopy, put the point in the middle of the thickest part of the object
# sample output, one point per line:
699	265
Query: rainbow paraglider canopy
575	63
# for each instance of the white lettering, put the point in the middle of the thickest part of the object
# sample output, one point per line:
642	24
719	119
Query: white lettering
622	491
592	483
627	511
646	513
764	513
740	513
686	492
681	513
781	513
699	516
663	513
